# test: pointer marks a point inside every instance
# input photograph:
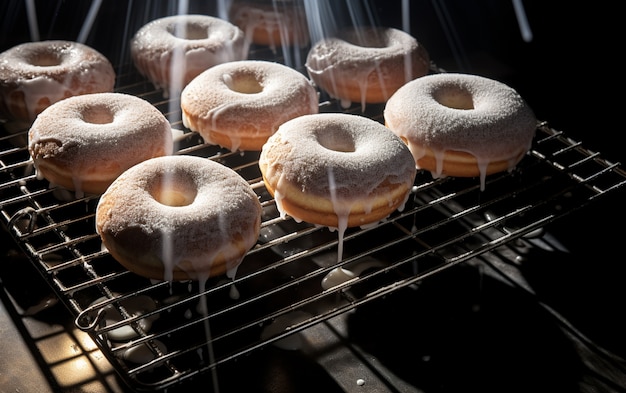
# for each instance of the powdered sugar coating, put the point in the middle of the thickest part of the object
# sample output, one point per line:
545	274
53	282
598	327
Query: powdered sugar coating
98	136
462	112
247	99
366	64
216	218
173	50
35	75
340	157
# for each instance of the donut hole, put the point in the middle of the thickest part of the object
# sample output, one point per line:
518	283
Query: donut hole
455	97
98	114
336	139
45	59
188	31
174	189
244	82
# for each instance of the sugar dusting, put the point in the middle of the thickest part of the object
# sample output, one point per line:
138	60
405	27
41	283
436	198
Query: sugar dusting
282	24
98	136
376	58
184	46
188	236
231	107
499	121
49	71
339	157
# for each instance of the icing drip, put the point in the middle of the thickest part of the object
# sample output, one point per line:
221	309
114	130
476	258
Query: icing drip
438	113
172	51
348	272
247	102
366	64
40	88
158	204
350	162
43	73
342	210
84	142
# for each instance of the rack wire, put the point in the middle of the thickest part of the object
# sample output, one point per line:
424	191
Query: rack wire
184	330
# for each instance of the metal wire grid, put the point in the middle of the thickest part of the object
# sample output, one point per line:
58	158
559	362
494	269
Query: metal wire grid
189	328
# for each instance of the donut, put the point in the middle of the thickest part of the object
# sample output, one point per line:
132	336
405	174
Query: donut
461	125
238	105
271	23
84	142
173	50
179	217
337	170
35	75
366	64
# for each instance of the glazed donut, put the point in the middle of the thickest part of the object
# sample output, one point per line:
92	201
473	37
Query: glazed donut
35	75
461	125
173	50
271	23
238	105
179	217
337	170
84	142
366	65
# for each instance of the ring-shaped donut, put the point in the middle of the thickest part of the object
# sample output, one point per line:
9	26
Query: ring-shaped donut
337	170
271	23
366	64
461	125
84	142
173	50
238	105
35	75
179	217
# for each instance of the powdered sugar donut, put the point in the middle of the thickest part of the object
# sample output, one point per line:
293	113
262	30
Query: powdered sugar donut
35	75
238	105
337	170
271	23
84	142
173	50
461	125
366	64
179	217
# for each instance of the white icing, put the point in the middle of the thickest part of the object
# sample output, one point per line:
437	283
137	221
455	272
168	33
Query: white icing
47	71
465	113
338	157
246	99
96	137
183	46
348	272
373	61
212	212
